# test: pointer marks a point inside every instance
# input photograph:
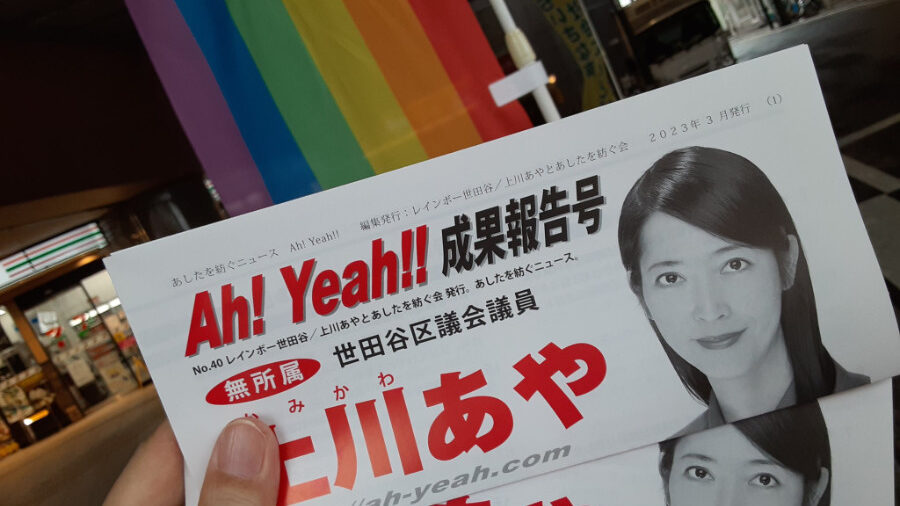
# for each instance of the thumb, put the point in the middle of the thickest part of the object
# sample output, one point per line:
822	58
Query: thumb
244	467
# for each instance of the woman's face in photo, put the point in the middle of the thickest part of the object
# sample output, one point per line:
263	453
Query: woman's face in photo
716	303
720	467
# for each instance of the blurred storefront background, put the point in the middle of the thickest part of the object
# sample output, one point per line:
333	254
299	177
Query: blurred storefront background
66	348
137	119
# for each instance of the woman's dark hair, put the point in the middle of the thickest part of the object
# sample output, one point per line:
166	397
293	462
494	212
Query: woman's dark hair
795	437
728	196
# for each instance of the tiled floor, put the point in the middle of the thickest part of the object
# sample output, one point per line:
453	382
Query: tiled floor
877	192
878	148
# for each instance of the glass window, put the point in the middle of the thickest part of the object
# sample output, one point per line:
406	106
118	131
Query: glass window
99	288
73	332
26	400
15	357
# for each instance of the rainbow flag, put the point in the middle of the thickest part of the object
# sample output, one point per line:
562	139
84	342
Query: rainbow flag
282	98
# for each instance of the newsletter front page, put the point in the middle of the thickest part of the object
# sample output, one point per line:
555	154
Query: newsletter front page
664	265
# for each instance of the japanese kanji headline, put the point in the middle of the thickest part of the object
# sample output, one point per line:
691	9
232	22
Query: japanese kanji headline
361	281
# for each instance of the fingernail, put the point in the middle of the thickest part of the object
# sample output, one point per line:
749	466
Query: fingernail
240	449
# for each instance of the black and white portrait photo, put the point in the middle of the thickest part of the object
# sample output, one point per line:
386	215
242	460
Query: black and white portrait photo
777	459
715	259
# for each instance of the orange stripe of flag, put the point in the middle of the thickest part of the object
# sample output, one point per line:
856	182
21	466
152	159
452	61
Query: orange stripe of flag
415	74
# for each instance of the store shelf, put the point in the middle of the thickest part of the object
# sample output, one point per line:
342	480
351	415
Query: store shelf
22	376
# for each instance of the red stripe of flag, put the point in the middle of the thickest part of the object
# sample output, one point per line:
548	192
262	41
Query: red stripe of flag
464	51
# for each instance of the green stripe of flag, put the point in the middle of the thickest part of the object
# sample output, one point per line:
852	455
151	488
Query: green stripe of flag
300	93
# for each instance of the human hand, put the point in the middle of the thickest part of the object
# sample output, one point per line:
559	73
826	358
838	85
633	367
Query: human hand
243	469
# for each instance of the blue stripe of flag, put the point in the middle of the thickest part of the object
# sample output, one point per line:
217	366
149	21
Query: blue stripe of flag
281	163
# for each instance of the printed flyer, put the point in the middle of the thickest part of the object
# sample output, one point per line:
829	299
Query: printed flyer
666	264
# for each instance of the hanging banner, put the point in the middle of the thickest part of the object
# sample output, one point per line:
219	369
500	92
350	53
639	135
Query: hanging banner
573	27
283	98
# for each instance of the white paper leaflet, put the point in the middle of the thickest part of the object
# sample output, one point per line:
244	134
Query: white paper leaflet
662	265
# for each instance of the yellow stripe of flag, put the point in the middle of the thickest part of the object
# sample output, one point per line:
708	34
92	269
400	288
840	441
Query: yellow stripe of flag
356	83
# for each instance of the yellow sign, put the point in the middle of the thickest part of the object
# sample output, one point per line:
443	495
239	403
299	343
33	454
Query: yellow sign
569	21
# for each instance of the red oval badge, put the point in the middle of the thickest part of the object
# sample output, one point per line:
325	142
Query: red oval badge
263	381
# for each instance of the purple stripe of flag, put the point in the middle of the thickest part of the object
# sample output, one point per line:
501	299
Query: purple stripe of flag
199	104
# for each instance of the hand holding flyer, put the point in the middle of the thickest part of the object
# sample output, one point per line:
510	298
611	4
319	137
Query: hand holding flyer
651	268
